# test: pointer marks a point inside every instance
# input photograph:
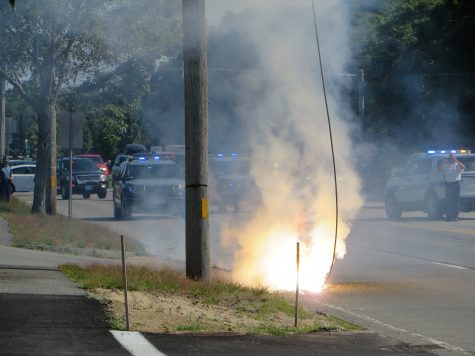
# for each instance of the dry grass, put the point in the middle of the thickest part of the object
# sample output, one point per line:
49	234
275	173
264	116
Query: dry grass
164	300
57	232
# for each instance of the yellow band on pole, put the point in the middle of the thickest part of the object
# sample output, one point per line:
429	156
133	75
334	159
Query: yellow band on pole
53	181
204	208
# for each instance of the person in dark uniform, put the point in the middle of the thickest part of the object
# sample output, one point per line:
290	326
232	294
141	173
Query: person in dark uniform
452	169
5	180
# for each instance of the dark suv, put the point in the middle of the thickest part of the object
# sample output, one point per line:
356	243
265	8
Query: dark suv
129	150
231	183
87	178
148	184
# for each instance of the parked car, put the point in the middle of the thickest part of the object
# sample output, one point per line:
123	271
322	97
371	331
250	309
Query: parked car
23	177
87	179
98	160
18	162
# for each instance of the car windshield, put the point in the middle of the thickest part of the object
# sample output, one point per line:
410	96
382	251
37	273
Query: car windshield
80	165
153	171
469	163
220	168
96	159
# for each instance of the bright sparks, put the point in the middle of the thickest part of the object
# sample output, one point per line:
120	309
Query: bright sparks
276	265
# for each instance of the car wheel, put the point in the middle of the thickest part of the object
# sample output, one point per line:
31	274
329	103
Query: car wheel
126	210
433	207
117	213
64	192
102	194
393	211
86	195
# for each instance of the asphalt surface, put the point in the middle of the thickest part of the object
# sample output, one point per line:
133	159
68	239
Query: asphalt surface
43	313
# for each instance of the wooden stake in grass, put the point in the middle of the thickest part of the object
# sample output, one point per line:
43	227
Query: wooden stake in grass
297	287
124	278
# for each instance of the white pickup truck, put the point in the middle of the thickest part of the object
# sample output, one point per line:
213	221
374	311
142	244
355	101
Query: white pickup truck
419	186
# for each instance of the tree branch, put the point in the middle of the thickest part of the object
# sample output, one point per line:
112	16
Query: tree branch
61	60
63	56
20	89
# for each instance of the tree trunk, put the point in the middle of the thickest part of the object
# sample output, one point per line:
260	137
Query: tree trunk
44	201
3	89
51	188
42	165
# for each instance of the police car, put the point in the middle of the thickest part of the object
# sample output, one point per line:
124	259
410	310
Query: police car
148	183
419	186
231	182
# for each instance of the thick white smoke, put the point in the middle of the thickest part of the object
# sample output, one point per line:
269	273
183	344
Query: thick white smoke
283	105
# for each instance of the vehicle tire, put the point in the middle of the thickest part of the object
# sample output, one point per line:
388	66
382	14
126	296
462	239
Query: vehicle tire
102	194
117	213
126	210
86	195
433	207
393	211
64	192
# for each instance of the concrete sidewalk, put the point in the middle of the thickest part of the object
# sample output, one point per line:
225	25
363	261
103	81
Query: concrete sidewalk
44	313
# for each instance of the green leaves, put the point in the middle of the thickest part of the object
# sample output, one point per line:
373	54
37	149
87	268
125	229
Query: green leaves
12	2
418	56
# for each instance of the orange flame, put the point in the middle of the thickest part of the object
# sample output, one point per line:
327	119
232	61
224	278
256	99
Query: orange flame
273	263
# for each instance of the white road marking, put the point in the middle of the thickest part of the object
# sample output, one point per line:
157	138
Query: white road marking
399	330
135	343
449	265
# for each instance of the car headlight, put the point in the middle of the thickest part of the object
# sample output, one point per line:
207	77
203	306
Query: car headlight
103	178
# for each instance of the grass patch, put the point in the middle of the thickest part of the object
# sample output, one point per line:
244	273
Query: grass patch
34	231
260	311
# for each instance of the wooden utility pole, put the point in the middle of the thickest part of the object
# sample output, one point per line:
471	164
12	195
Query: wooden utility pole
196	139
3	90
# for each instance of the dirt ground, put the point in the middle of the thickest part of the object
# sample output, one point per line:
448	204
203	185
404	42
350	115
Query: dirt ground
170	313
161	313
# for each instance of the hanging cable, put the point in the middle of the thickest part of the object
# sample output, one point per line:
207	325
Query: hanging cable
331	141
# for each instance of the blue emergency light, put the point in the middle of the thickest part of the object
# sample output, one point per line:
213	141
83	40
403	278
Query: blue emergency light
462	152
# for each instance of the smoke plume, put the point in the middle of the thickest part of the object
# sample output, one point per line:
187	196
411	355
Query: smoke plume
283	107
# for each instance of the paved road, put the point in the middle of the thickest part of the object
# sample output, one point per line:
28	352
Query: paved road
162	235
412	280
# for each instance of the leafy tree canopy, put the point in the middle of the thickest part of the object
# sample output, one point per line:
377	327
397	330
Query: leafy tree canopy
52	47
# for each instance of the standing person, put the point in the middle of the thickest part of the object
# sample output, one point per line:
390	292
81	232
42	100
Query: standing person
452	170
5	180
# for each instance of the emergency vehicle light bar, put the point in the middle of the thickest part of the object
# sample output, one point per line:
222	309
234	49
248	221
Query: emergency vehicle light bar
225	155
462	152
144	156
